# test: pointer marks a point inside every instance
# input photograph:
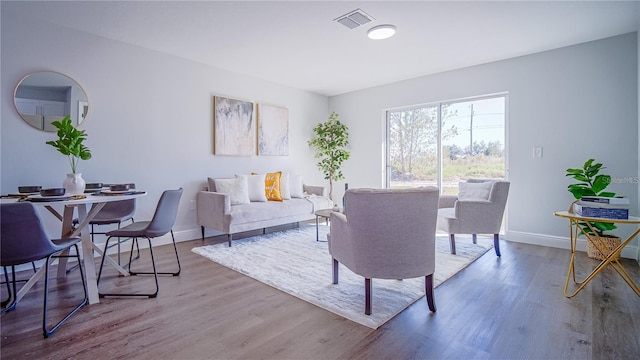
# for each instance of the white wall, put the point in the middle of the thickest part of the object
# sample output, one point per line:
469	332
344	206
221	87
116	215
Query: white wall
150	117
576	102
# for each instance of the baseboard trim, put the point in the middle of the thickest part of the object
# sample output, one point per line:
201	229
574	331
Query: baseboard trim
631	251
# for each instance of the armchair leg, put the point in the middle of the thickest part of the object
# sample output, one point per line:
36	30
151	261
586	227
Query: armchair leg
335	271
474	238
367	296
202	231
428	287
452	243
496	244
229	236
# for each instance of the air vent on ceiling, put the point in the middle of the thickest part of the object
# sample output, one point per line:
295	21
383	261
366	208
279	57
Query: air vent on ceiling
354	19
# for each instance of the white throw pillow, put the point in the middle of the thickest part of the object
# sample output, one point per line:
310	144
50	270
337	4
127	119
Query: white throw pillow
474	191
296	186
255	184
285	186
237	189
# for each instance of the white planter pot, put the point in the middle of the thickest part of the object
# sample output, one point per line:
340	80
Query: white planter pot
74	184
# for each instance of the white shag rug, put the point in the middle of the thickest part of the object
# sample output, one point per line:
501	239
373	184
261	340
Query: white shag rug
294	262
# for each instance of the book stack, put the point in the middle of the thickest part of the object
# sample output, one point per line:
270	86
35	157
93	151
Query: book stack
602	207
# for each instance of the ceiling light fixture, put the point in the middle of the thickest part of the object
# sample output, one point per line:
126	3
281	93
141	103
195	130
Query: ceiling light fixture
381	32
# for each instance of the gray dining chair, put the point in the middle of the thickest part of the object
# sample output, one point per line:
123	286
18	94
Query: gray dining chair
161	224
114	213
23	240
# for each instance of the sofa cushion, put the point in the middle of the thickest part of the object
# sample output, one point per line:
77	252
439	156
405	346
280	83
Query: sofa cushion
285	187
255	183
296	186
237	190
272	186
260	211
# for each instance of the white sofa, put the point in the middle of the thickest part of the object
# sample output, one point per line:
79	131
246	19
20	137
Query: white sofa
215	210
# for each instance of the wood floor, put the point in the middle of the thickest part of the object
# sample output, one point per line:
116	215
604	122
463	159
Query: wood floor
497	308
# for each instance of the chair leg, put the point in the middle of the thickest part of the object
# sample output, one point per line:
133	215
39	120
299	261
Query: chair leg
428	287
155	273
367	296
48	332
496	244
335	271
175	249
474	238
11	299
452	243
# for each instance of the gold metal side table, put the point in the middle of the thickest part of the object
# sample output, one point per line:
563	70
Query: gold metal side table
576	228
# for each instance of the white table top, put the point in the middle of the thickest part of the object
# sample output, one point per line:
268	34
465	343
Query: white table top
89	199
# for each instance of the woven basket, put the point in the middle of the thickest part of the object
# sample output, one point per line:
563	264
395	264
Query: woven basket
611	241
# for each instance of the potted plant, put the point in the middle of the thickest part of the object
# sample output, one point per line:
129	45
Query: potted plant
70	143
331	138
592	183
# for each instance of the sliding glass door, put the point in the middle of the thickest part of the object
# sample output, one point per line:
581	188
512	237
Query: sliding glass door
445	143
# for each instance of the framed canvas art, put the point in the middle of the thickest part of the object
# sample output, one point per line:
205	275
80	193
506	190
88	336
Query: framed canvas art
234	129
273	130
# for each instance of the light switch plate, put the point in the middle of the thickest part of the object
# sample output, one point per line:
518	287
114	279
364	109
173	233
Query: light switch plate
537	152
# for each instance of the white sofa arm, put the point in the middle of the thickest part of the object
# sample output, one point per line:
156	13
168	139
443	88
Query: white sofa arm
213	210
317	190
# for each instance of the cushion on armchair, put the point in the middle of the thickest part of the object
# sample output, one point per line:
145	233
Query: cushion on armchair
474	190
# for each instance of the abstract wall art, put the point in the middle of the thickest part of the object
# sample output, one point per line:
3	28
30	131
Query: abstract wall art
234	128
273	130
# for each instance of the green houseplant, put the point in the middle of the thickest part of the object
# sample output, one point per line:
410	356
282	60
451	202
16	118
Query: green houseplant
331	138
70	143
591	183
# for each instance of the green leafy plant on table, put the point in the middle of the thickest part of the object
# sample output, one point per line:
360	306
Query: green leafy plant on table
70	142
331	138
591	183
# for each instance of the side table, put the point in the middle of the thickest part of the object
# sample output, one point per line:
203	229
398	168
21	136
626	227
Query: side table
324	213
579	223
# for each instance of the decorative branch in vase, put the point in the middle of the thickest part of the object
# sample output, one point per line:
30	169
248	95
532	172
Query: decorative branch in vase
70	143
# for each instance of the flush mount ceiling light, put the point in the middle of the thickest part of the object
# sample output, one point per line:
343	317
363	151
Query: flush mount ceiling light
381	32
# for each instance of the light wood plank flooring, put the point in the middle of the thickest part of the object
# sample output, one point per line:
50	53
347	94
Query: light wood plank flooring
497	308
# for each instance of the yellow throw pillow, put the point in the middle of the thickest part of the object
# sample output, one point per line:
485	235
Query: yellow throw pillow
272	186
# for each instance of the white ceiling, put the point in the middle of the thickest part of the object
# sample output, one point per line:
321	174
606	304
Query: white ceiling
297	43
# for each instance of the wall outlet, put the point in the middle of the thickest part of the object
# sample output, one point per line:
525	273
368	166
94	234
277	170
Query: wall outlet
192	205
537	152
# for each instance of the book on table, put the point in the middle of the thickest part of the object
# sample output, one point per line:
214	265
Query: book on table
601	210
606	200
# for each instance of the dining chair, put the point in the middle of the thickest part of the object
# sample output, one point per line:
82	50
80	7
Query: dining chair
24	240
114	213
161	224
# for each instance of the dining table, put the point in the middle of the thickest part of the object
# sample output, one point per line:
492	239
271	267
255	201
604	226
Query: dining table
70	206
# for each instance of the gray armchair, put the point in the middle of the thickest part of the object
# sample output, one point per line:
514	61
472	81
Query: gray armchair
386	234
478	209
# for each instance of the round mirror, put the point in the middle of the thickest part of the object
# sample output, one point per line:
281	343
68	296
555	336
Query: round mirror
47	96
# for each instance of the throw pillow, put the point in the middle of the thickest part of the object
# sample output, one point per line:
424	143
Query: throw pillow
285	191
297	187
237	189
272	186
255	184
474	191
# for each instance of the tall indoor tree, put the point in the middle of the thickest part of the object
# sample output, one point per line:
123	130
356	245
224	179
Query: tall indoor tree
329	143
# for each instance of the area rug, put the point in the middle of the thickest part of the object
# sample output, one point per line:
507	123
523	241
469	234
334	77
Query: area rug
294	262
